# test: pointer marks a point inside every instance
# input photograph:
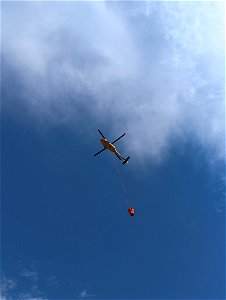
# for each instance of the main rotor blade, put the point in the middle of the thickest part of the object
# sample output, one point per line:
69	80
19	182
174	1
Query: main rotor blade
101	134
100	151
118	138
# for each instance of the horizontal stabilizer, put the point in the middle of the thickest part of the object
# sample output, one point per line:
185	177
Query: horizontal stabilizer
126	160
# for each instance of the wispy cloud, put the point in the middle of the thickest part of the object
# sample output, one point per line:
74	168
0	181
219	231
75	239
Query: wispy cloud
32	275
13	287
154	69
11	293
8	285
84	294
51	281
220	189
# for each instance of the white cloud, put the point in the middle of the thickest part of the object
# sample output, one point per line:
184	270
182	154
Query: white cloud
154	69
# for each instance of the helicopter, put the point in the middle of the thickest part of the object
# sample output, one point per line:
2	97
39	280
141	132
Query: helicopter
111	147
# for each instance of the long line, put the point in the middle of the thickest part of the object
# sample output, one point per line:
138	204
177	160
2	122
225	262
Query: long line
122	183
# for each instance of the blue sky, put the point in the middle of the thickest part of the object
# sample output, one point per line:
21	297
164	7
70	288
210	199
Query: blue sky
154	70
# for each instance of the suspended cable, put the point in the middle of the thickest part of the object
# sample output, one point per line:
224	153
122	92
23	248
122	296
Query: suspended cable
121	180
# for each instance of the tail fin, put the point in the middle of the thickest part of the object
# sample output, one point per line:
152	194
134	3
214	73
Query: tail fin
126	160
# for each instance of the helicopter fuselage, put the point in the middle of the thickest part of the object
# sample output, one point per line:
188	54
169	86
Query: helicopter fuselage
108	145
